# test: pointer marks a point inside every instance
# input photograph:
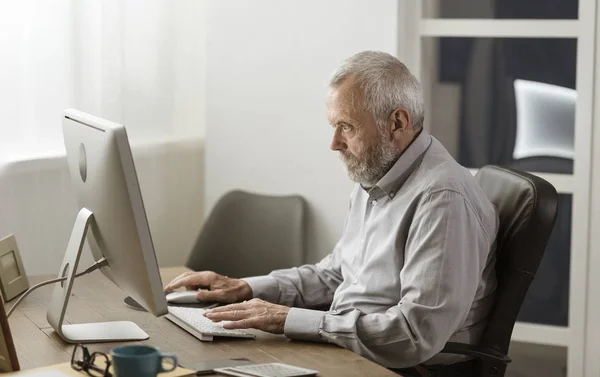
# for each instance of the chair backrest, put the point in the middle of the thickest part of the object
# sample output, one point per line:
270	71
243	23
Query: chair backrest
249	234
527	207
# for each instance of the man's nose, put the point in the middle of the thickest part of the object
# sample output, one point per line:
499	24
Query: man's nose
337	143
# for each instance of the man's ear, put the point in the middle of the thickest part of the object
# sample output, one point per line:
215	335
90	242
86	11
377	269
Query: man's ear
400	120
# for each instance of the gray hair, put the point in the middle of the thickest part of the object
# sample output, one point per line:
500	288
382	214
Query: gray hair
386	83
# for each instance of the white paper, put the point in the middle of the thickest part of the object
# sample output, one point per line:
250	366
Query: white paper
44	373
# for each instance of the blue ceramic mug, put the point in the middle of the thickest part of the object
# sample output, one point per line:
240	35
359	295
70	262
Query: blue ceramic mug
140	361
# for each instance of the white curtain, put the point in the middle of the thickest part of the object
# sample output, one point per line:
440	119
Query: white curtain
36	73
136	62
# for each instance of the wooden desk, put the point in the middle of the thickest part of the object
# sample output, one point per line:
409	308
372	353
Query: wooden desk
96	299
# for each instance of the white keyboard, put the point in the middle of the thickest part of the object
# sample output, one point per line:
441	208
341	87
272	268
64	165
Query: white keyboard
193	321
266	370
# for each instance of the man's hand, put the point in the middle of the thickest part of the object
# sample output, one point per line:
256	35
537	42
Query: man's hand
256	314
220	288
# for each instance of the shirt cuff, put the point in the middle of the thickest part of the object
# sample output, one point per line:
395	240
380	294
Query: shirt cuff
264	287
304	324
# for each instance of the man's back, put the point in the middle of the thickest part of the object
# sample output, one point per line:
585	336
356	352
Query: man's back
440	172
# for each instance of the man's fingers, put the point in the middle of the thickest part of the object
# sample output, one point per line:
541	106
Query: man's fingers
203	278
231	315
227	308
250	323
175	283
181	276
217	296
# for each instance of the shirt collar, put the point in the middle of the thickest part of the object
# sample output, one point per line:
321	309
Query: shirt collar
391	182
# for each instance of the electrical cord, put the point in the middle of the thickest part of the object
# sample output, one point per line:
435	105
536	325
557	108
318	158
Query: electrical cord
99	264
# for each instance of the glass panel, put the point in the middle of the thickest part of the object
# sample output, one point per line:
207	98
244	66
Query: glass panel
501	9
547	301
502	100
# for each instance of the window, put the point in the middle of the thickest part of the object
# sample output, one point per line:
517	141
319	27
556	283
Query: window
504	100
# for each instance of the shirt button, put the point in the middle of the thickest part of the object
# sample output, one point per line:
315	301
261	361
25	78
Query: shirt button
354	281
391	194
373	202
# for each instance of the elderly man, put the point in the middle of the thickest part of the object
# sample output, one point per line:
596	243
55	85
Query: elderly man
414	267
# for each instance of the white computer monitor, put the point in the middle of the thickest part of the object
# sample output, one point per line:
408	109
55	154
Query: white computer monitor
113	220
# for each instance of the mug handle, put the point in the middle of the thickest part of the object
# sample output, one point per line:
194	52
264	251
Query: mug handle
168	356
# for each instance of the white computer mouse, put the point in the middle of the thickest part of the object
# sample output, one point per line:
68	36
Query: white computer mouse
182	297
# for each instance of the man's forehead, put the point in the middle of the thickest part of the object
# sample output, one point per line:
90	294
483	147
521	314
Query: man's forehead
348	90
345	101
339	108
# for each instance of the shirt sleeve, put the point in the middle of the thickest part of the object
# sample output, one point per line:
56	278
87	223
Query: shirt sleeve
445	254
308	286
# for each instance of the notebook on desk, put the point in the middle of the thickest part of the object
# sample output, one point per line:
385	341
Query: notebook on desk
65	370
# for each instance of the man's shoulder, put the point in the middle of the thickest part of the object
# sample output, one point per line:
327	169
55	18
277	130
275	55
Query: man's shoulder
439	171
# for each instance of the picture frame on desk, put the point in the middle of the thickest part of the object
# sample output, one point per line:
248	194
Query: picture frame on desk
13	279
9	362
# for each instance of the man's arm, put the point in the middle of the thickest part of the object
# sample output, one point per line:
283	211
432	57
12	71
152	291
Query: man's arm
305	287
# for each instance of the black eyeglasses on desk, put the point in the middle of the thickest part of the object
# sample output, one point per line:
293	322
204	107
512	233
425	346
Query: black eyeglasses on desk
95	364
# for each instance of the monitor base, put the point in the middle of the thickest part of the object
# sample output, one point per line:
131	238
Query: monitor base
103	332
87	332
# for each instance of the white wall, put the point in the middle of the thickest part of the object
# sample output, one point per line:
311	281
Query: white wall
143	69
268	61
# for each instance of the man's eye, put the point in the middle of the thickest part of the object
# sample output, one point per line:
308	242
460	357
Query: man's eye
346	128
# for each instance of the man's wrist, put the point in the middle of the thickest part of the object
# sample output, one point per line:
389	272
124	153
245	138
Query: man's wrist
245	291
281	316
264	287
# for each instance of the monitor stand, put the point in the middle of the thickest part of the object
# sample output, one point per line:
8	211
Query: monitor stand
84	332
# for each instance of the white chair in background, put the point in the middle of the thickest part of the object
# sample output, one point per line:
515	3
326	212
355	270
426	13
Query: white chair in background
545	120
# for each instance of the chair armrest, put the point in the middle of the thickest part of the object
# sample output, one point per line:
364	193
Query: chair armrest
478	352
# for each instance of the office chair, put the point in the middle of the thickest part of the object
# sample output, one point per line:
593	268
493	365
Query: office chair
547	300
248	234
527	207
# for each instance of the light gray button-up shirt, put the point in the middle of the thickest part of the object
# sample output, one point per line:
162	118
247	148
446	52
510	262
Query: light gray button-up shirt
414	267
